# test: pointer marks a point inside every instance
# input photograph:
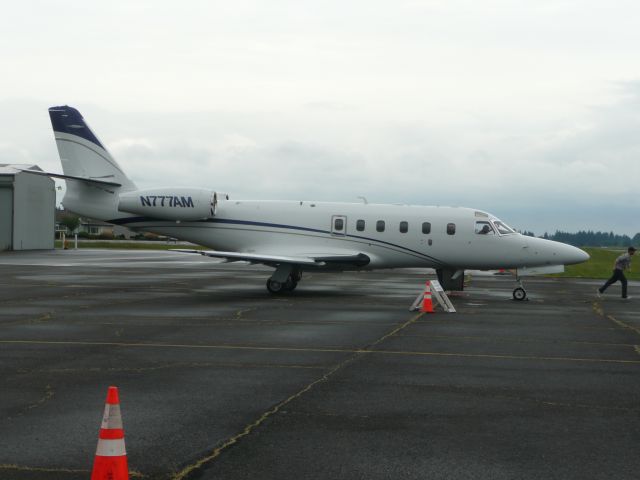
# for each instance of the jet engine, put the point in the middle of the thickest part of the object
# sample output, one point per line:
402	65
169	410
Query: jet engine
171	203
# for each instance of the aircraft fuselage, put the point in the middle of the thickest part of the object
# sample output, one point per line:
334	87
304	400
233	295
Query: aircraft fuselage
449	240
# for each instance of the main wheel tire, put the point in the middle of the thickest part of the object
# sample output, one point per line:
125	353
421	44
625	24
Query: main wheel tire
290	285
275	287
519	294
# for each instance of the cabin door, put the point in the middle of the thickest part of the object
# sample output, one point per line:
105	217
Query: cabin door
339	225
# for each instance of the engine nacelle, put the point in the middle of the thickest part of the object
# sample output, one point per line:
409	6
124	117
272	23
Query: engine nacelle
171	203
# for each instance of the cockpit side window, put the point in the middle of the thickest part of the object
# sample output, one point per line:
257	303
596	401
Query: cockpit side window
503	229
484	228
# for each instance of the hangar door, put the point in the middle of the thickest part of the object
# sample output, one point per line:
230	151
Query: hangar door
6	217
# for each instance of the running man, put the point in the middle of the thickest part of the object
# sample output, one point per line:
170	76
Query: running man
623	262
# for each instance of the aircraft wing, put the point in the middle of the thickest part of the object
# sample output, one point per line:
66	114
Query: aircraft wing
318	260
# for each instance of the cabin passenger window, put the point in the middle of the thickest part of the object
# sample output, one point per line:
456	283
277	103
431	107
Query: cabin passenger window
338	224
380	226
404	227
426	227
484	228
360	225
451	228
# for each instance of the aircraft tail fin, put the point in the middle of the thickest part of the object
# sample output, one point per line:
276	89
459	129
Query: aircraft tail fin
83	156
81	153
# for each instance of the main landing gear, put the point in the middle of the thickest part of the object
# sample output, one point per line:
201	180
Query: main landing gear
280	287
519	293
284	279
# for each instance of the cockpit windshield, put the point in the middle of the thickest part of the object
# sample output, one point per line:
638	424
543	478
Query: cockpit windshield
503	228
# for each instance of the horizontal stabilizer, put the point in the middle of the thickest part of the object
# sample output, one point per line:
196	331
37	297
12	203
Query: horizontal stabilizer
94	181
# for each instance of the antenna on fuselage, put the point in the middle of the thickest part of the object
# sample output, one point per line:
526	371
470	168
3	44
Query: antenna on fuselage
364	200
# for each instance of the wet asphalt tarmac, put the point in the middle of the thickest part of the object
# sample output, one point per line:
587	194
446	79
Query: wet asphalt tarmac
219	379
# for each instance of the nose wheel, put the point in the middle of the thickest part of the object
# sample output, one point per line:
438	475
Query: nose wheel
519	293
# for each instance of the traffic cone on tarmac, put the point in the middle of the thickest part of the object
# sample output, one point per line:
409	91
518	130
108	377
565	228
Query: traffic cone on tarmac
427	304
111	457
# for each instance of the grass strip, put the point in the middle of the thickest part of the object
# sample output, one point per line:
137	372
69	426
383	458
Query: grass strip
600	265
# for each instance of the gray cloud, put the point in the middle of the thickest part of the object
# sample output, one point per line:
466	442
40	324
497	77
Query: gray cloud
574	177
522	113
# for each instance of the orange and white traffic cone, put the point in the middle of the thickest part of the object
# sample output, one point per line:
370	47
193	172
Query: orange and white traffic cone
111	457
427	304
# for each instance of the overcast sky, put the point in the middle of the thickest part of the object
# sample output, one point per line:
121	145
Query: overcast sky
529	110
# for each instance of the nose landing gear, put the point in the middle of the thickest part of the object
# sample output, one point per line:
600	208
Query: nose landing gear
519	293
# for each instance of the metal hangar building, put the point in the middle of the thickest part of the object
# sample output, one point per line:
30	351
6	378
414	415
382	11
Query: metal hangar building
27	208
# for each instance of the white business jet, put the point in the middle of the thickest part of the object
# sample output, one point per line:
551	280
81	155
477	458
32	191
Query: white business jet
295	236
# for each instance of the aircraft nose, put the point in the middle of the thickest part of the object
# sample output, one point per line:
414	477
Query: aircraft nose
574	255
556	253
584	256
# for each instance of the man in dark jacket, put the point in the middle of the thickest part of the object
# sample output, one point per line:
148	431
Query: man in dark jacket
623	262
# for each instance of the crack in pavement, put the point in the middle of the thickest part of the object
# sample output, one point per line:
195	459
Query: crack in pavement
196	466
